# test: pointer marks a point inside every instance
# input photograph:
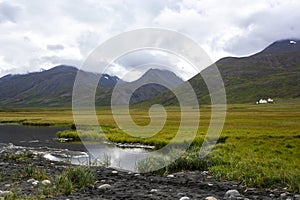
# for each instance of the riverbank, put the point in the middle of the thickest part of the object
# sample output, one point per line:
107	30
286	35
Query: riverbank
18	182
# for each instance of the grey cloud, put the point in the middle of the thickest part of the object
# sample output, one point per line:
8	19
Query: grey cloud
82	25
8	12
264	28
87	41
134	59
55	47
56	60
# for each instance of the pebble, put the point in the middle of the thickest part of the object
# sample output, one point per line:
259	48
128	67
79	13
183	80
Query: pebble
114	172
46	182
210	198
272	195
170	176
204	173
7	185
210	184
104	187
30	180
180	194
35	183
297	196
184	198
154	190
5	193
283	195
232	194
3	163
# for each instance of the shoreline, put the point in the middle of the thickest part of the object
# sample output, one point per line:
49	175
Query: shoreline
127	185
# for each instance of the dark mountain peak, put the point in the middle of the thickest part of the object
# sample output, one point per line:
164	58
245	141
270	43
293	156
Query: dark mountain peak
61	68
158	71
283	46
107	80
161	74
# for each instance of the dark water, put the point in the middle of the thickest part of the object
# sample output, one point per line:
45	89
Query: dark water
34	136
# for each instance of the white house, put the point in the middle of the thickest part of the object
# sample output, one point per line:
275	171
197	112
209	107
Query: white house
270	100
263	101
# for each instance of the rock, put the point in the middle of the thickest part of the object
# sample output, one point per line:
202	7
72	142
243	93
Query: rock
204	173
210	198
210	184
104	187
184	198
153	190
297	196
5	193
170	176
180	194
232	194
35	183
46	182
30	180
7	185
114	172
283	195
272	195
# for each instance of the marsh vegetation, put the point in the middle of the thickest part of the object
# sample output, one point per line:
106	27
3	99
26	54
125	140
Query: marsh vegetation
259	144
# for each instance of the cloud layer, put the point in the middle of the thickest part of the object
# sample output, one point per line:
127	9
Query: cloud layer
41	34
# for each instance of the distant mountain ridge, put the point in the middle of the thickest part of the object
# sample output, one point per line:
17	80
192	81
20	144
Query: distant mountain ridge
274	72
53	87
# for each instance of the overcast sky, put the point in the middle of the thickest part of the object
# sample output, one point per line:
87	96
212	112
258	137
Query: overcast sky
42	34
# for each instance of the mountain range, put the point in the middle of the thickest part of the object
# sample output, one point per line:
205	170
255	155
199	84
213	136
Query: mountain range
53	87
274	72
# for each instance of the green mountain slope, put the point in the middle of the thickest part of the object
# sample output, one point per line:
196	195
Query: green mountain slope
273	72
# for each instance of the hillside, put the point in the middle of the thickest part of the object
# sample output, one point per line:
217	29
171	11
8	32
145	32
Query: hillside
273	72
53	87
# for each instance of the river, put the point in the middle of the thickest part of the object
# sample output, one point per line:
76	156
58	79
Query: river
43	140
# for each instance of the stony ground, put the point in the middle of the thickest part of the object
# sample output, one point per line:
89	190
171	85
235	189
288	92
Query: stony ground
113	184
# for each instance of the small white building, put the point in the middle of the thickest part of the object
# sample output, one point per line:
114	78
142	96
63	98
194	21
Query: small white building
263	101
270	100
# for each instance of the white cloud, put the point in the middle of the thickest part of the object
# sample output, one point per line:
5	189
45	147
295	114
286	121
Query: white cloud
32	33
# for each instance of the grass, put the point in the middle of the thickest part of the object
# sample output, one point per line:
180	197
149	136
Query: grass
18	156
259	144
74	177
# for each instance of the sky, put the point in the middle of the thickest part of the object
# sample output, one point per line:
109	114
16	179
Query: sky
40	34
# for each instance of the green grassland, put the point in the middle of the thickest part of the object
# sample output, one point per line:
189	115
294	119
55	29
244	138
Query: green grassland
259	144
